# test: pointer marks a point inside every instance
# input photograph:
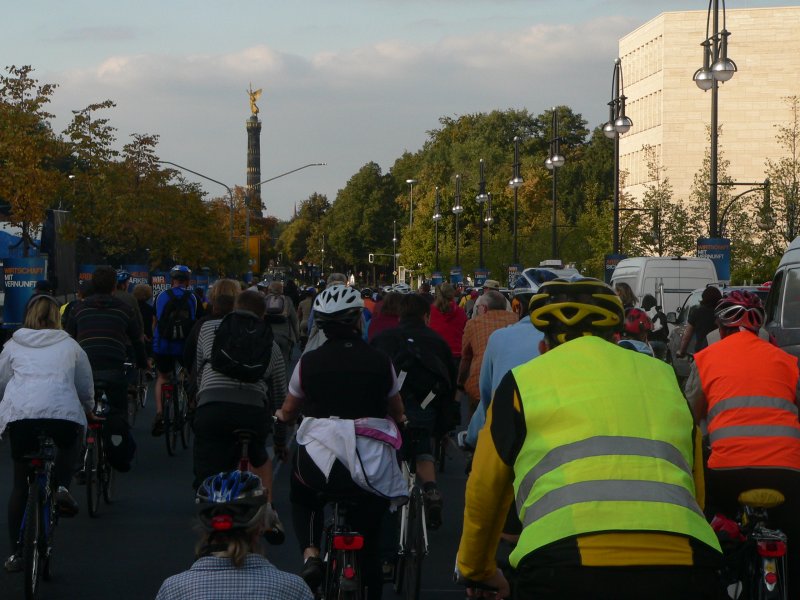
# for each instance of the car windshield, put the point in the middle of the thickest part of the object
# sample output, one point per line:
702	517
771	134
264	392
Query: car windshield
692	301
791	302
697	295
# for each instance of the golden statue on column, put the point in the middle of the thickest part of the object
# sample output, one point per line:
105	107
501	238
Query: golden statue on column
254	95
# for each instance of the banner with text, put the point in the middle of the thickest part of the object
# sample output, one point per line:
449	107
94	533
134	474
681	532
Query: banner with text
19	280
139	274
456	276
719	251
160	282
612	260
481	275
436	278
85	272
514	271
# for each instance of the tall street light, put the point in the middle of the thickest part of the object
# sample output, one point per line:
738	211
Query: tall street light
394	249
489	219
515	183
554	162
230	191
717	67
481	198
457	210
437	216
411	183
618	123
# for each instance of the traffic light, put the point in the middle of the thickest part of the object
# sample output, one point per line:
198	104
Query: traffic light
371	257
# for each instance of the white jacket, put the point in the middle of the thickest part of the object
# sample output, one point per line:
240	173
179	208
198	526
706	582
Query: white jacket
367	447
44	374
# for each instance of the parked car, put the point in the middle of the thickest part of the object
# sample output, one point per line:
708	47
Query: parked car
783	302
680	320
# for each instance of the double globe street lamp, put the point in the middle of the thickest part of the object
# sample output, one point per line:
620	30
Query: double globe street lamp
618	123
437	216
717	67
481	199
554	162
515	183
457	210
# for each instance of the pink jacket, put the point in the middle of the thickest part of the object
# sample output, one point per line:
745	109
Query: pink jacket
450	326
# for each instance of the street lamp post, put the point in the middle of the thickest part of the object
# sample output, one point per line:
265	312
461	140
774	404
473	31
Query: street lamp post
411	183
717	67
515	183
481	198
437	216
489	219
394	249
457	210
554	162
230	191
766	218
618	123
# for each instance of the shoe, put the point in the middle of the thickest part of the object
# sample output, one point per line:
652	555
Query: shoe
14	563
312	572
158	425
67	506
274	535
433	507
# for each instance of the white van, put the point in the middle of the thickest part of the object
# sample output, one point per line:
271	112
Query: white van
783	303
669	279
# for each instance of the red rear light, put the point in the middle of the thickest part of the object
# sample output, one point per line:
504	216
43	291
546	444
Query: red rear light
36	462
771	548
770	578
348	542
222	522
349	572
95	426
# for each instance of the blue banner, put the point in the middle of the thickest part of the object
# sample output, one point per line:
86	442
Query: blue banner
85	272
436	278
612	260
19	280
514	271
481	275
456	275
139	274
719	251
160	282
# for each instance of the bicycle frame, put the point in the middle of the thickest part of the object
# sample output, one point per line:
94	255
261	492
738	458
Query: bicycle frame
411	481
343	576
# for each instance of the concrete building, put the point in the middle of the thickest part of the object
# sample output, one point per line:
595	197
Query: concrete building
672	114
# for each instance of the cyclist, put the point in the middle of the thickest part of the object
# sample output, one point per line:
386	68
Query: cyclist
634	331
746	388
428	363
346	378
121	292
176	311
45	385
596	445
233	513
105	327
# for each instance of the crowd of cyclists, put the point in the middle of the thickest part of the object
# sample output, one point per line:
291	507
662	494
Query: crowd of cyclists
592	473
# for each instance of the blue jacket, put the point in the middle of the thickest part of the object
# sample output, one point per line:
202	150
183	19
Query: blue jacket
171	347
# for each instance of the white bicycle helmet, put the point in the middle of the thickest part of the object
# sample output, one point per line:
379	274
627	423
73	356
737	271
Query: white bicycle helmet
338	303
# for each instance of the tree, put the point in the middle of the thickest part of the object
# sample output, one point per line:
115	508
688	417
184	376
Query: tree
784	177
28	151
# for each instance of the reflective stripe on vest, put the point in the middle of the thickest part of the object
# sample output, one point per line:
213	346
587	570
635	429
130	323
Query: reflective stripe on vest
599	446
609	490
751	402
753	431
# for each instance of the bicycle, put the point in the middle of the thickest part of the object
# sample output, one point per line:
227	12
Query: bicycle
341	554
175	406
763	569
40	518
137	392
96	467
413	538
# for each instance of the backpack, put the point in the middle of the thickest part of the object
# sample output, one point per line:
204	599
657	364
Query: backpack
427	378
119	443
176	320
276	308
242	347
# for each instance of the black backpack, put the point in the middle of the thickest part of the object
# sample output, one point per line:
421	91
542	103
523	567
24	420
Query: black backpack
427	377
176	320
242	347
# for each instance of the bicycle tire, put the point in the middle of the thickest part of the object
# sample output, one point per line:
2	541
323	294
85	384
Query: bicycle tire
133	408
415	546
181	410
441	452
141	389
399	568
168	407
51	511
31	541
106	476
350	558
90	467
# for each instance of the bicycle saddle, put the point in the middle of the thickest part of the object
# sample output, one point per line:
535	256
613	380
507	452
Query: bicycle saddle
761	498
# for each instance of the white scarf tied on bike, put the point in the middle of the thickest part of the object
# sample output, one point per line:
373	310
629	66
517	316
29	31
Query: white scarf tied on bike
367	447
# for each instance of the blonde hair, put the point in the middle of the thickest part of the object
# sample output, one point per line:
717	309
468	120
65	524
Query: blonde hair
142	292
445	293
224	287
42	313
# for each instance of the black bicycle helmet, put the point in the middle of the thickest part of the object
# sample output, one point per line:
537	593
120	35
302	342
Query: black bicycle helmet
234	500
569	308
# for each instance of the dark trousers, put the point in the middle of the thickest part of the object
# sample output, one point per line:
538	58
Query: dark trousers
24	439
616	583
307	485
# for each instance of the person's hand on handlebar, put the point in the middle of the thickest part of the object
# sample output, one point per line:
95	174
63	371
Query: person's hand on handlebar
495	587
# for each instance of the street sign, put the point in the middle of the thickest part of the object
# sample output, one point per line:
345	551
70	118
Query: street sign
371	257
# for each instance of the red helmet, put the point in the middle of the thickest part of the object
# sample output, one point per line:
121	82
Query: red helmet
637	321
740	308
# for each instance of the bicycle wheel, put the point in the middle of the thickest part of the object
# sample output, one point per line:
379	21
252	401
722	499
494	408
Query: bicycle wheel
441	452
168	408
90	467
106	476
141	389
48	533
350	588
415	546
133	407
181	410
31	540
399	569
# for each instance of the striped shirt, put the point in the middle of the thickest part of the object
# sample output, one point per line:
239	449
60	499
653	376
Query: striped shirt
213	386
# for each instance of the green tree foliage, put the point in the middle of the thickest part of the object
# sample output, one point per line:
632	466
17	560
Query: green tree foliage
293	241
784	177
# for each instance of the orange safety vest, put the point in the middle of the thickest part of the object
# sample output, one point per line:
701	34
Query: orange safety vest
750	388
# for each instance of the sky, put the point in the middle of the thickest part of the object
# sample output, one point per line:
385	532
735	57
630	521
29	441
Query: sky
345	82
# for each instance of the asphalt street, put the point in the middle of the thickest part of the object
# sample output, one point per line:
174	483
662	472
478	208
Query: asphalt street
148	533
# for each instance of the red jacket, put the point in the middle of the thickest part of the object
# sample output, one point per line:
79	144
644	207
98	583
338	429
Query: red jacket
750	388
450	326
